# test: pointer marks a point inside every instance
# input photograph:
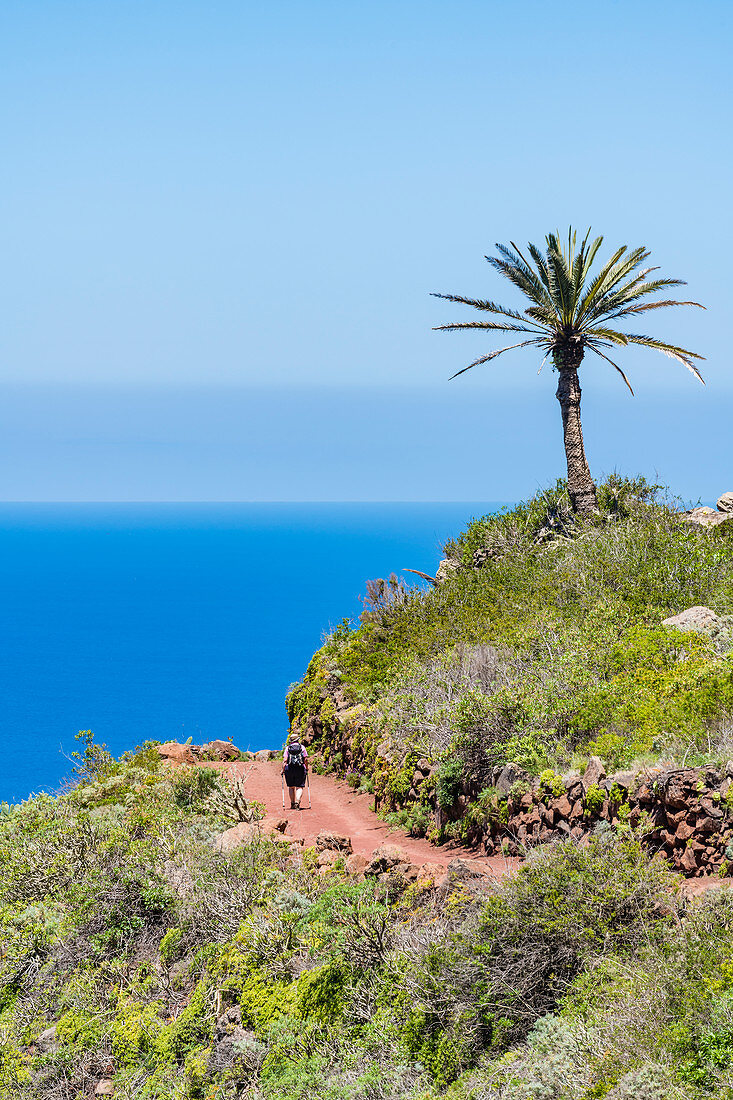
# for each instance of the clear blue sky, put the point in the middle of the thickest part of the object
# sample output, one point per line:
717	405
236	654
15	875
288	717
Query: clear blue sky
222	222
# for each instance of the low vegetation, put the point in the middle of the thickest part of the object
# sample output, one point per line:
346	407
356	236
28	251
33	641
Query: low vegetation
135	953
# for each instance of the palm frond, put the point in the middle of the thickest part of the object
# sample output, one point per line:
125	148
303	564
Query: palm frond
633	310
541	266
609	276
615	365
483	304
493	355
560	277
632	294
610	335
589	258
518	271
544	316
634	289
682	355
495	326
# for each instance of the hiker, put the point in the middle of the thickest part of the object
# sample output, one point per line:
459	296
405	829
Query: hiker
295	770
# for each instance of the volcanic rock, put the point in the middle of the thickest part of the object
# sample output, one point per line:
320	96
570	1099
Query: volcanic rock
179	754
327	840
594	773
221	750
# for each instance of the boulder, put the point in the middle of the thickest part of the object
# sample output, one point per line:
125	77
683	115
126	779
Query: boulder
221	750
700	619
675	793
105	1088
427	874
384	859
446	568
244	833
508	776
328	856
725	503
460	872
627	781
236	837
47	1042
688	862
706	824
577	813
263	754
328	840
574	787
710	808
179	754
356	864
594	773
563	807
706	517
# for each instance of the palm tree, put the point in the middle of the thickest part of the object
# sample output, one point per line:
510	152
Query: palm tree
569	313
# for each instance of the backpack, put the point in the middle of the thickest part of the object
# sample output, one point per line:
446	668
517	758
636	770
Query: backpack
295	755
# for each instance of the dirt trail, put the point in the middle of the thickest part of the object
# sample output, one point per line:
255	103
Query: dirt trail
337	808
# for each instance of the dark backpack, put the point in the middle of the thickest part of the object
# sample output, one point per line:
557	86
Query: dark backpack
295	755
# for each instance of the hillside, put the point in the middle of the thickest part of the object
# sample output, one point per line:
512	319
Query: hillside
543	645
144	958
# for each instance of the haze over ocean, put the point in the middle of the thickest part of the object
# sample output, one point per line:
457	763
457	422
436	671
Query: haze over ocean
170	621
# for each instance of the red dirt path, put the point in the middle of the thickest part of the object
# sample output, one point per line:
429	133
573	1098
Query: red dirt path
338	809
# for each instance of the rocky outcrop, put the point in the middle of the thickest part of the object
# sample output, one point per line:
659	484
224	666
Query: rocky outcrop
220	750
705	516
700	619
180	754
187	753
703	620
446	568
334	841
244	833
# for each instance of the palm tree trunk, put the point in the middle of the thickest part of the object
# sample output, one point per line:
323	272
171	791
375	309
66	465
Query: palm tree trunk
581	489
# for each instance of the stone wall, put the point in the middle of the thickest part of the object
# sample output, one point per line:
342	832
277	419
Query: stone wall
686	814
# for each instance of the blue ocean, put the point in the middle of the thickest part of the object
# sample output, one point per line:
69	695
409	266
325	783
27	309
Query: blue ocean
170	621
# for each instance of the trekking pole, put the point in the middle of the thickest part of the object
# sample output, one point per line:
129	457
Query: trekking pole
308	779
282	777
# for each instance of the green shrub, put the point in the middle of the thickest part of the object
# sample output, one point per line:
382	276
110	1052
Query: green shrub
79	1029
449	782
551	783
193	785
170	945
594	799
